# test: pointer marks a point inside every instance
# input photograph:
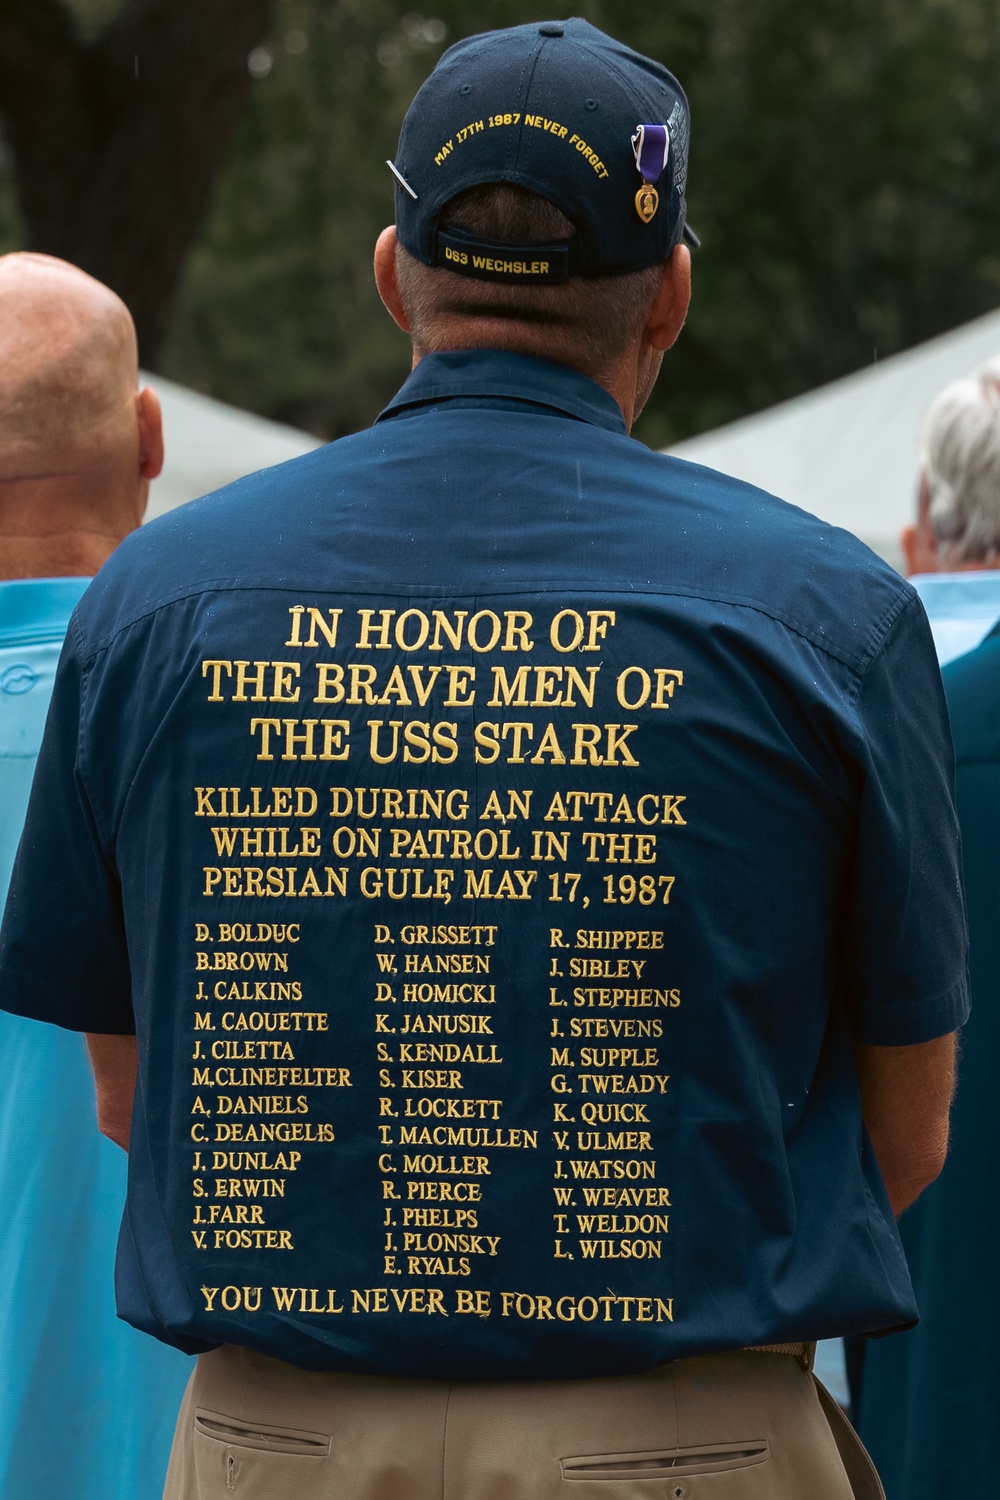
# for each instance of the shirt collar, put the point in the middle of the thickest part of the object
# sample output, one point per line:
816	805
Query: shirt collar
493	373
963	608
37	607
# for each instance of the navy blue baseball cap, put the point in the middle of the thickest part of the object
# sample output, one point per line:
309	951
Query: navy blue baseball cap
567	112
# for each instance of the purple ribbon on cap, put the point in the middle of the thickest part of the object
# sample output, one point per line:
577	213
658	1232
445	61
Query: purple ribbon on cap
651	144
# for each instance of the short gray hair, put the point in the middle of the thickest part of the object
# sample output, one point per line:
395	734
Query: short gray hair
960	456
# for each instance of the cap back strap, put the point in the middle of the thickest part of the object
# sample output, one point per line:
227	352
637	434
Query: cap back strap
500	261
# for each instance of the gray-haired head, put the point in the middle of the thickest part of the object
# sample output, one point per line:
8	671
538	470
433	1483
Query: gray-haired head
960	457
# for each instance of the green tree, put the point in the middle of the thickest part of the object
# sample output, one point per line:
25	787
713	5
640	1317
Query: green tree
844	179
117	118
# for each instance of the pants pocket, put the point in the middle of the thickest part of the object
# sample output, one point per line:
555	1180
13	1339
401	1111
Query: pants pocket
854	1456
667	1463
235	1432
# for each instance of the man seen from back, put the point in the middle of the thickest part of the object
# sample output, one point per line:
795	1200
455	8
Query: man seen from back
522	864
79	445
927	1400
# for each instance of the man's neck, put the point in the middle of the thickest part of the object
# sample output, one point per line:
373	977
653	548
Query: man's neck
64	525
953	565
628	380
66	554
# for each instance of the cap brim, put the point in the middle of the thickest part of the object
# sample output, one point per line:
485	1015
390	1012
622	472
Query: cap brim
689	237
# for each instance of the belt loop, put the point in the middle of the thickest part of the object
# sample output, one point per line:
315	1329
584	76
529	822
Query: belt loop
808	1359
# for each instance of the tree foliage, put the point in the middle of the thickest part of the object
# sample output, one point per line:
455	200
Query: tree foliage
118	121
844	179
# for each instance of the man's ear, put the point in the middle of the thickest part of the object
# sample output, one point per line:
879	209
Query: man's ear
385	277
909	544
917	541
150	419
666	318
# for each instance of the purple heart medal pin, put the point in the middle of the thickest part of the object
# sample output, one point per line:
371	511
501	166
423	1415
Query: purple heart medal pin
651	144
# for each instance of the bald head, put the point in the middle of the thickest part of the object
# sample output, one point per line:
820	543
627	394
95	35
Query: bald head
78	442
68	364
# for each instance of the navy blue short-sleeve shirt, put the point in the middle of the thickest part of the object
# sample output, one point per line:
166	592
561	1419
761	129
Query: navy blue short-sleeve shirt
495	834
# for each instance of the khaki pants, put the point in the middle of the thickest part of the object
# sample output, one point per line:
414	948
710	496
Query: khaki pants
747	1426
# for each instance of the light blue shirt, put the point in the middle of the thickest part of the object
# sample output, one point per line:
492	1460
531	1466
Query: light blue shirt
87	1405
962	608
34	614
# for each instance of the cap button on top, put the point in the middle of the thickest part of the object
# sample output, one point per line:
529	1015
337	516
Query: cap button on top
551	29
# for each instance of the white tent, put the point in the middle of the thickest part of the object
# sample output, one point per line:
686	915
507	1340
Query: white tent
209	444
848	451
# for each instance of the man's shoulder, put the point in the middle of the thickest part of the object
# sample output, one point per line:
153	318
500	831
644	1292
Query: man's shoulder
972	687
597	511
752	546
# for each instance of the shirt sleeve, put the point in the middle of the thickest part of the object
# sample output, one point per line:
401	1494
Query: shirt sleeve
906	939
63	954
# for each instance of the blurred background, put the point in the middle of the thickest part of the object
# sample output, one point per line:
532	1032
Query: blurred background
221	165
